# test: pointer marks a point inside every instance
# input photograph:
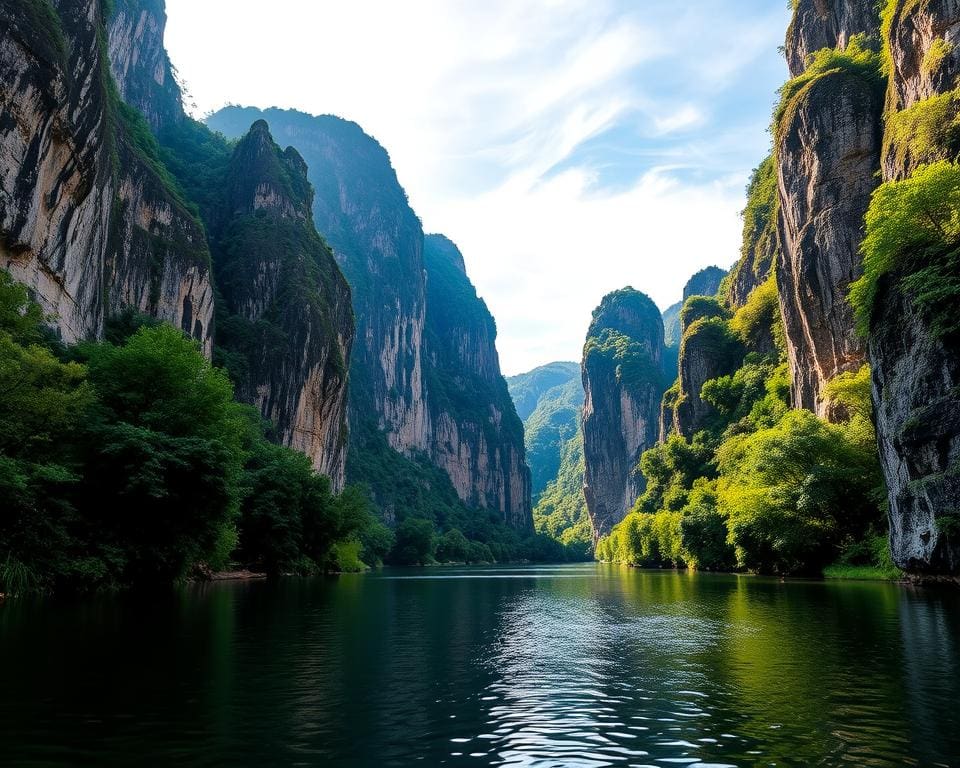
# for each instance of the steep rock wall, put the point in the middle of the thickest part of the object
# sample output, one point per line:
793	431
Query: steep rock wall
56	181
86	220
287	301
826	24
916	371
478	437
412	396
828	151
139	62
622	381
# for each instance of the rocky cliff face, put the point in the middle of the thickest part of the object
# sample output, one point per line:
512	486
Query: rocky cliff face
708	350
139	62
405	389
363	213
916	371
86	218
622	381
286	305
826	24
698	354
827	149
478	437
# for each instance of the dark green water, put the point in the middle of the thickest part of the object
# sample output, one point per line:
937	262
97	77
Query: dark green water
551	666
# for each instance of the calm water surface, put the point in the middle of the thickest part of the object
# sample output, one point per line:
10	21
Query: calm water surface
580	666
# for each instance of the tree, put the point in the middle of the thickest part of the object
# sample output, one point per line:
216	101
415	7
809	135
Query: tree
415	544
162	455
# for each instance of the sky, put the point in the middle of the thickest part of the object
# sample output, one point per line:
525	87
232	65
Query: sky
569	147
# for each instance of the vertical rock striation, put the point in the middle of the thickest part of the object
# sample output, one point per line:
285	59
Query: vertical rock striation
820	24
478	437
286	304
827	149
139	62
88	219
412	392
622	380
916	370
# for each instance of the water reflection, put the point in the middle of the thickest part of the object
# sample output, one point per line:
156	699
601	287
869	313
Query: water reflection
568	666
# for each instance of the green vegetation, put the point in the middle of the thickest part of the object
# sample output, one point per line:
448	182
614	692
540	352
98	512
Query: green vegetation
860	58
869	559
701	308
48	39
925	132
549	427
759	318
130	463
762	488
561	511
913	229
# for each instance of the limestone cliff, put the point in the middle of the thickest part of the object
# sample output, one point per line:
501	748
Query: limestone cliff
707	350
696	356
286	306
139	62
827	147
821	24
916	367
363	212
477	436
622	380
88	219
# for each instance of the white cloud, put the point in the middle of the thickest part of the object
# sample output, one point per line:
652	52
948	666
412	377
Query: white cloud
477	102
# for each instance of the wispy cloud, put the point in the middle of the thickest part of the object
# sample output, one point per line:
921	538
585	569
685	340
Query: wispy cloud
570	147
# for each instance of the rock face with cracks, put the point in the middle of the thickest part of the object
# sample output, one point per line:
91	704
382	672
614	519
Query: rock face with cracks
623	384
86	219
425	373
916	371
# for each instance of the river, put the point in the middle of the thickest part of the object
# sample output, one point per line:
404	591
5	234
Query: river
582	665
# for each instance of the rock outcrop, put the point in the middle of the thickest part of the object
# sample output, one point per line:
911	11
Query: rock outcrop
286	304
477	436
363	212
707	350
139	62
623	384
696	356
828	150
706	282
826	24
916	369
88	219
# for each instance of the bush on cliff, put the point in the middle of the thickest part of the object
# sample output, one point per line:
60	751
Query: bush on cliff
913	228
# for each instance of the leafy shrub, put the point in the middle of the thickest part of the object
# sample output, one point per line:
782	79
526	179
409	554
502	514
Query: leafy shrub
925	132
701	307
795	492
760	317
646	540
914	224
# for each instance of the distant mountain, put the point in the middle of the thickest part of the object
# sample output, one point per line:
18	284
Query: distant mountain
549	400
